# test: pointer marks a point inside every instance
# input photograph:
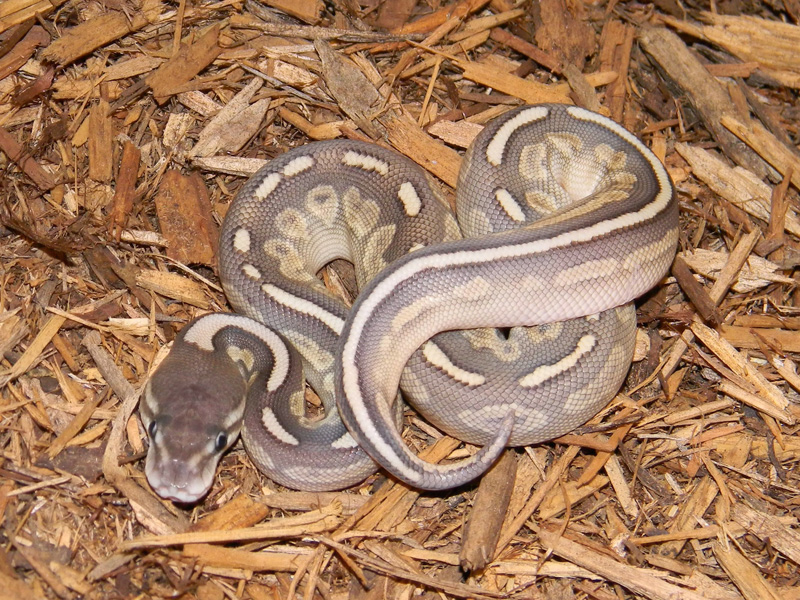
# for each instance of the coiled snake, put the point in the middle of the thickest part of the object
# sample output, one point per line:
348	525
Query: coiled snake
566	217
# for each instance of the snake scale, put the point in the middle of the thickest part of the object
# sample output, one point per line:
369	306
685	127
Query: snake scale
510	327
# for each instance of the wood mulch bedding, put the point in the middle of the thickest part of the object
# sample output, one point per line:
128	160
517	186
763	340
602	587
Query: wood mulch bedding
126	128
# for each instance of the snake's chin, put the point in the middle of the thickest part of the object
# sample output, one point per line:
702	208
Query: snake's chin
176	484
179	496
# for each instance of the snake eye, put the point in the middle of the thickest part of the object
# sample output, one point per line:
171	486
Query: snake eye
152	429
221	442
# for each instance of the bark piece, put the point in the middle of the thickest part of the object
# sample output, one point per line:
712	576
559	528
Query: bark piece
531	92
74	427
477	25
231	558
554	502
16	13
755	135
744	574
756	273
582	92
393	15
315	521
22	50
101	142
771	44
170	77
431	21
234	125
34	350
561	29
691	510
756	402
100	31
305	10
536	54
738	186
695	292
752	338
709	97
426	63
554	474
727	276
740	365
125	189
637	580
615	55
768	527
242	511
309	32
173	286
482	530
18	154
184	216
354	92
407	137
456	133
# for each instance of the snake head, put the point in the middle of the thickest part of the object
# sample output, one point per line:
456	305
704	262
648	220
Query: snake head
190	424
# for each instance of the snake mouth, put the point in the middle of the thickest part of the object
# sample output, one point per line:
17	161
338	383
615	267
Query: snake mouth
176	480
188	492
179	497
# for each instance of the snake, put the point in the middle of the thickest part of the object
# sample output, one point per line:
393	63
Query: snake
508	323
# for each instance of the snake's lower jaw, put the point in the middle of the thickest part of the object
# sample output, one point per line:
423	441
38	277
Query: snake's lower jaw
178	481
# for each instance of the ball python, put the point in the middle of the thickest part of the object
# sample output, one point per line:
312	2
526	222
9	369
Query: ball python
511	327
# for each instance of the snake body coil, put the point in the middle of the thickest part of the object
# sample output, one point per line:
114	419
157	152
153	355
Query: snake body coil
566	218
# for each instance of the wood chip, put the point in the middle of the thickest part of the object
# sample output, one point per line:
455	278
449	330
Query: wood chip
171	76
184	215
32	354
82	39
488	511
636	580
100	142
707	95
232	126
173	286
752	39
16	153
744	574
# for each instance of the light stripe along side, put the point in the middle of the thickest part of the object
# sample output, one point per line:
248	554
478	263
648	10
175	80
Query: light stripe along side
201	334
588	270
497	147
296	303
365	162
435	356
417	264
541	374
